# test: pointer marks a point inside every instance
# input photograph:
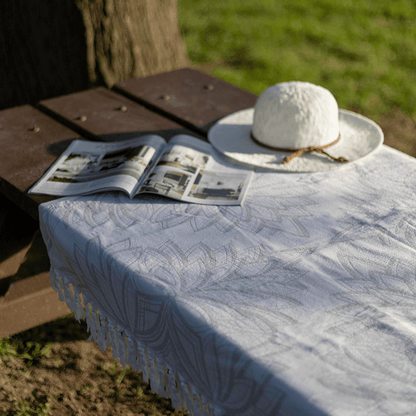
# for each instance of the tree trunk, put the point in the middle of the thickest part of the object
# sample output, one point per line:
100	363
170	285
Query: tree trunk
50	48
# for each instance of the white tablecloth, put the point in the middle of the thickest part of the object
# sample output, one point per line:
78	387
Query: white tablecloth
300	302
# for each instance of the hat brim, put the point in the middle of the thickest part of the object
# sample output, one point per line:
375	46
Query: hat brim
360	137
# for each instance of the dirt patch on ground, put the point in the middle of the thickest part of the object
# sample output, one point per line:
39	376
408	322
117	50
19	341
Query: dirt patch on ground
58	372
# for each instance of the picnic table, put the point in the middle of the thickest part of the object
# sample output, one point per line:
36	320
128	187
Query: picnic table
301	301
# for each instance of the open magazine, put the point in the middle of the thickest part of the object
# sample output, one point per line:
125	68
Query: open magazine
184	169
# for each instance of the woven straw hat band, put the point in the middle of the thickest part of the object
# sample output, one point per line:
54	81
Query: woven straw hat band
297	152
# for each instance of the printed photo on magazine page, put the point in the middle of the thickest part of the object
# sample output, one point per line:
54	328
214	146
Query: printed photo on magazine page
187	170
87	167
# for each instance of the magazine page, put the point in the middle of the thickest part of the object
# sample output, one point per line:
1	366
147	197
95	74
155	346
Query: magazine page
188	171
86	167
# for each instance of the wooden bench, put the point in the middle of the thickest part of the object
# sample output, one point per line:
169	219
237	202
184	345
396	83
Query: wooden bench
182	101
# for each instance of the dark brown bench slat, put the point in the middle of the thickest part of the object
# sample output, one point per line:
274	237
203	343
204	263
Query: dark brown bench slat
30	142
17	229
101	114
29	303
187	95
26	297
27	141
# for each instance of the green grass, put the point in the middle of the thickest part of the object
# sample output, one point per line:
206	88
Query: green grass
363	51
29	352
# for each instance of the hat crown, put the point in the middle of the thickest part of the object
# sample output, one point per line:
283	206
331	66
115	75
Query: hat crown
295	115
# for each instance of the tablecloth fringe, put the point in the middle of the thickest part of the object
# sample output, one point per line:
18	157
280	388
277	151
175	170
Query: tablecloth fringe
128	351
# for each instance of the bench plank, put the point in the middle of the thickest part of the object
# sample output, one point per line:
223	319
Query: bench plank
30	142
29	303
189	96
17	229
26	297
27	137
101	114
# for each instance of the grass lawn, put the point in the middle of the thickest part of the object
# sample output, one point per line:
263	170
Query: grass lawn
363	51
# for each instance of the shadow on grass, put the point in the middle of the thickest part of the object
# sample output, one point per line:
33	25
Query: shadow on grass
66	329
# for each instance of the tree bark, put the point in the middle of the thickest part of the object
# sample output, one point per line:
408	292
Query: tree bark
50	48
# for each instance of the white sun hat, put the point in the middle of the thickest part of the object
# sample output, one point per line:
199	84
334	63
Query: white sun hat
296	127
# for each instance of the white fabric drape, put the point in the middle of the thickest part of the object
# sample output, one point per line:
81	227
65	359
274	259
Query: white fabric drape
301	301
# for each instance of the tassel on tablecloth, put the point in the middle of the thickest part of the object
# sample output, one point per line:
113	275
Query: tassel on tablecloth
135	356
79	310
157	385
176	403
146	367
104	340
57	284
